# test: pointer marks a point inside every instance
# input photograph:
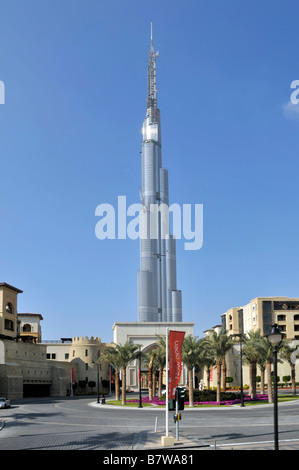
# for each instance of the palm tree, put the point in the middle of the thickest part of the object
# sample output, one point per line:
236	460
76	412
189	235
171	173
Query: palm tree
149	363
111	355
159	364
253	349
127	353
287	354
207	361
161	358
121	355
219	345
261	362
191	358
264	362
150	374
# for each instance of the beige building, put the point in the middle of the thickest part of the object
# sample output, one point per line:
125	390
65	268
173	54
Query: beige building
259	314
8	311
29	328
146	335
25	372
83	354
31	368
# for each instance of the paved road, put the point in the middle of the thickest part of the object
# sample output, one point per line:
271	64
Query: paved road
81	424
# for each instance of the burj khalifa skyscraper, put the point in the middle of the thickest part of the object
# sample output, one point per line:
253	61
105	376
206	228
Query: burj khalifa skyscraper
158	297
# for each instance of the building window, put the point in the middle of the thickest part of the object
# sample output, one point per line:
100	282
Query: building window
296	317
9	308
66	356
27	328
296	328
281	318
48	355
286	305
8	324
86	352
86	366
53	355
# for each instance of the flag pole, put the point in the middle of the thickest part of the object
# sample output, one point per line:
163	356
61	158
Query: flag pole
167	383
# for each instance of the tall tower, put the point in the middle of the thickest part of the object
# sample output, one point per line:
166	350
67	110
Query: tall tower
158	297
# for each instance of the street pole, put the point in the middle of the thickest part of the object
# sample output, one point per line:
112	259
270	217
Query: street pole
98	380
167	383
275	400
140	399
177	412
275	338
241	352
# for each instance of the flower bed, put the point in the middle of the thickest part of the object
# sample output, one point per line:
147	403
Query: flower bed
156	401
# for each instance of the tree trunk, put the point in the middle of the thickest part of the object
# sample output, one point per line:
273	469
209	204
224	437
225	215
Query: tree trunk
123	385
253	379
250	379
262	381
218	368
160	381
293	379
269	381
208	378
150	379
224	374
154	384
190	381
116	385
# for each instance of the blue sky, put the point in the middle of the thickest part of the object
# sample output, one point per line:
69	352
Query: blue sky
70	139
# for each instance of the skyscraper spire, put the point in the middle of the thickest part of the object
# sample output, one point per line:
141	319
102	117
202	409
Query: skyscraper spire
158	297
151	78
152	47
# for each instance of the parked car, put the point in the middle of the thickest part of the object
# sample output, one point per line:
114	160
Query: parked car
4	403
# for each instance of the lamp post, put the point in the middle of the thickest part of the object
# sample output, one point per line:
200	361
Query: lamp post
98	379
240	335
275	338
140	399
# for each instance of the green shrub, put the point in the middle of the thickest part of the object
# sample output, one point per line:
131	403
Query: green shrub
211	395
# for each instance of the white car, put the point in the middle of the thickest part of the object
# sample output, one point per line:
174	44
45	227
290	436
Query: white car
4	403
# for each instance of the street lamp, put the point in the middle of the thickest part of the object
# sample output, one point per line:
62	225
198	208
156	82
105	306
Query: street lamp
98	379
240	335
275	338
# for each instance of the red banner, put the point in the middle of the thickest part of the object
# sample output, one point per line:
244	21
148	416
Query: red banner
175	360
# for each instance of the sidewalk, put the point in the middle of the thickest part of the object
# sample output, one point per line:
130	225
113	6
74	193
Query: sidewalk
152	441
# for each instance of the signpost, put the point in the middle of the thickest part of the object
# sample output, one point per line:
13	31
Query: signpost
174	341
